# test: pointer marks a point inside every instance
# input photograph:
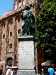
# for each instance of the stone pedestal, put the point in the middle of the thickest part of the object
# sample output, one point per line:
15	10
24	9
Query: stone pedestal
26	56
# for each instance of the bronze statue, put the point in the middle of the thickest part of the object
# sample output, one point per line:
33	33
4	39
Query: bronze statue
28	21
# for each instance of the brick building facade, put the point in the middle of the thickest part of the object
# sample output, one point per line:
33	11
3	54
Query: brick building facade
10	25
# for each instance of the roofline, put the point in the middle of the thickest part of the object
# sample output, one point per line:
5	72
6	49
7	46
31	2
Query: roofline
13	12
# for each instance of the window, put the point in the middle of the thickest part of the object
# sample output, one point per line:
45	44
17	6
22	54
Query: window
3	35
11	22
10	33
3	25
10	45
18	20
19	31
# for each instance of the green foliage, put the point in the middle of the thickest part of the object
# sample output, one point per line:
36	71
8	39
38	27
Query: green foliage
46	27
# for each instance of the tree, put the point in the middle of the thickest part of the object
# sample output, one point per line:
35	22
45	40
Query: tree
46	27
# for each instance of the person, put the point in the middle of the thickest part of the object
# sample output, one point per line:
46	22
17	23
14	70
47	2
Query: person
42	71
28	22
8	70
3	73
12	72
51	70
46	70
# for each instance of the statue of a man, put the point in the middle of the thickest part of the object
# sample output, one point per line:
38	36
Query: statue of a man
28	21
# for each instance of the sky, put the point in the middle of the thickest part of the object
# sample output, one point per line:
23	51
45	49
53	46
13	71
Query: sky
5	6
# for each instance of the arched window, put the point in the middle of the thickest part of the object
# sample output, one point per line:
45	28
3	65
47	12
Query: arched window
9	61
10	21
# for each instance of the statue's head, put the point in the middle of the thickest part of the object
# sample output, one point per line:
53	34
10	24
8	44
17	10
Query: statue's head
27	7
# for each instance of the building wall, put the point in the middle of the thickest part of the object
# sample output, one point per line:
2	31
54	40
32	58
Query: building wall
10	27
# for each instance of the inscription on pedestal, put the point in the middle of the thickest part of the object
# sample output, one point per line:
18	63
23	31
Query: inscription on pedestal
26	55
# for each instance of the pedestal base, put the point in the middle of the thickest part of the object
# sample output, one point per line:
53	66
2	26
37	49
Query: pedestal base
26	72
